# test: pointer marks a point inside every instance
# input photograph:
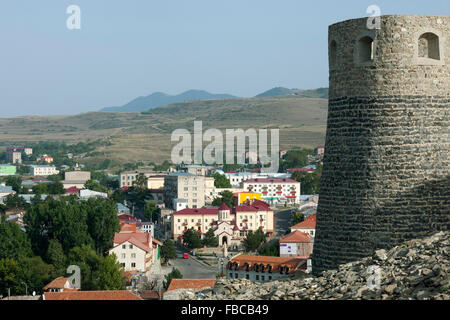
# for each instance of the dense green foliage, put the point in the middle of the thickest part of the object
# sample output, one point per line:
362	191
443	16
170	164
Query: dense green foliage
168	251
254	240
221	181
210	240
295	159
225	196
309	182
174	274
270	249
151	211
191	239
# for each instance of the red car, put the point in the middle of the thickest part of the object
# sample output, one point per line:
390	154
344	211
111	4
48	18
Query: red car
186	256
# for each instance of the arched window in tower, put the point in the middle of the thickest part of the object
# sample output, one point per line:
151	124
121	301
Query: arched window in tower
429	46
365	49
333	53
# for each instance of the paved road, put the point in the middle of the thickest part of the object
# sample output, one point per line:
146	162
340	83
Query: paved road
281	221
191	268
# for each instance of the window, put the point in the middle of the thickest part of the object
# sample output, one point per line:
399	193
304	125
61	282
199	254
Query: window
186	188
192	220
263	278
247	276
133	264
133	255
231	275
124	246
429	46
123	255
257	277
131	246
270	277
236	275
365	49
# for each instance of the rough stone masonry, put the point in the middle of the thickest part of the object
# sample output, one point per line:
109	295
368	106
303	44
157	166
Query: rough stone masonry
386	164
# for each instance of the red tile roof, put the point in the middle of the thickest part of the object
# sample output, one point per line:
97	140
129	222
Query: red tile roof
224	206
242	261
296	237
58	283
190	284
72	190
308	223
91	295
152	295
202	211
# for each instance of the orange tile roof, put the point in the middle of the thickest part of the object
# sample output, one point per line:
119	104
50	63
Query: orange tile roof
190	284
57	283
308	223
242	261
92	295
154	295
295	237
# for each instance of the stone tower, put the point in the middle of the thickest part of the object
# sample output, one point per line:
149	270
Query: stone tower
386	173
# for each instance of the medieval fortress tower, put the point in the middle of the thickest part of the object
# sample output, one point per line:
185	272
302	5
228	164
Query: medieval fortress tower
386	174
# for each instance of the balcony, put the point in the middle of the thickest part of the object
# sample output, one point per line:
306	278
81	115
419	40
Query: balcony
199	223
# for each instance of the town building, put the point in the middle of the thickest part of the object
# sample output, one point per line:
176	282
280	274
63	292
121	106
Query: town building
85	194
25	150
275	190
195	284
319	151
263	268
237	178
230	225
15	157
76	178
44	170
242	197
45	158
183	185
135	249
60	284
121	209
127	178
197	170
7	170
307	226
296	244
6	190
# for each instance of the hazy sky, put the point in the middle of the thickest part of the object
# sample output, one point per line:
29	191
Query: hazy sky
132	48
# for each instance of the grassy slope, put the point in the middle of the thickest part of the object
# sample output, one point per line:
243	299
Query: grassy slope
146	136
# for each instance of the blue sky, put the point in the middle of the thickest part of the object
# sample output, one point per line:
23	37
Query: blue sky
132	48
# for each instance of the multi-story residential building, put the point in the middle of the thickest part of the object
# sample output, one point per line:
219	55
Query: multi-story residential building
45	158
43	170
25	150
275	190
263	268
198	170
15	157
135	249
237	178
127	178
7	170
319	151
238	221
183	185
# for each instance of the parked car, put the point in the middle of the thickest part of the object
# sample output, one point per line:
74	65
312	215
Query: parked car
185	256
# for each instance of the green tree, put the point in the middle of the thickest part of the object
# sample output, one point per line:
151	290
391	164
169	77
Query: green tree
225	196
191	239
110	274
14	243
221	181
56	188
9	275
210	240
55	256
102	222
295	159
270	249
95	186
309	182
151	211
297	217
14	201
140	182
168	251
15	182
35	273
40	188
174	274
89	263
254	240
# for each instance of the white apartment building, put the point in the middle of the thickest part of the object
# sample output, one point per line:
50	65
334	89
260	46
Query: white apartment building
155	180
183	185
237	178
275	190
43	170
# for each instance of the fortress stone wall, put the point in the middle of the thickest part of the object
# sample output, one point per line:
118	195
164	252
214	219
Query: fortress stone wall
386	165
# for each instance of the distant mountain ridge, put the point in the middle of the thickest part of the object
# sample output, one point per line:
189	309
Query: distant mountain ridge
159	99
281	91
